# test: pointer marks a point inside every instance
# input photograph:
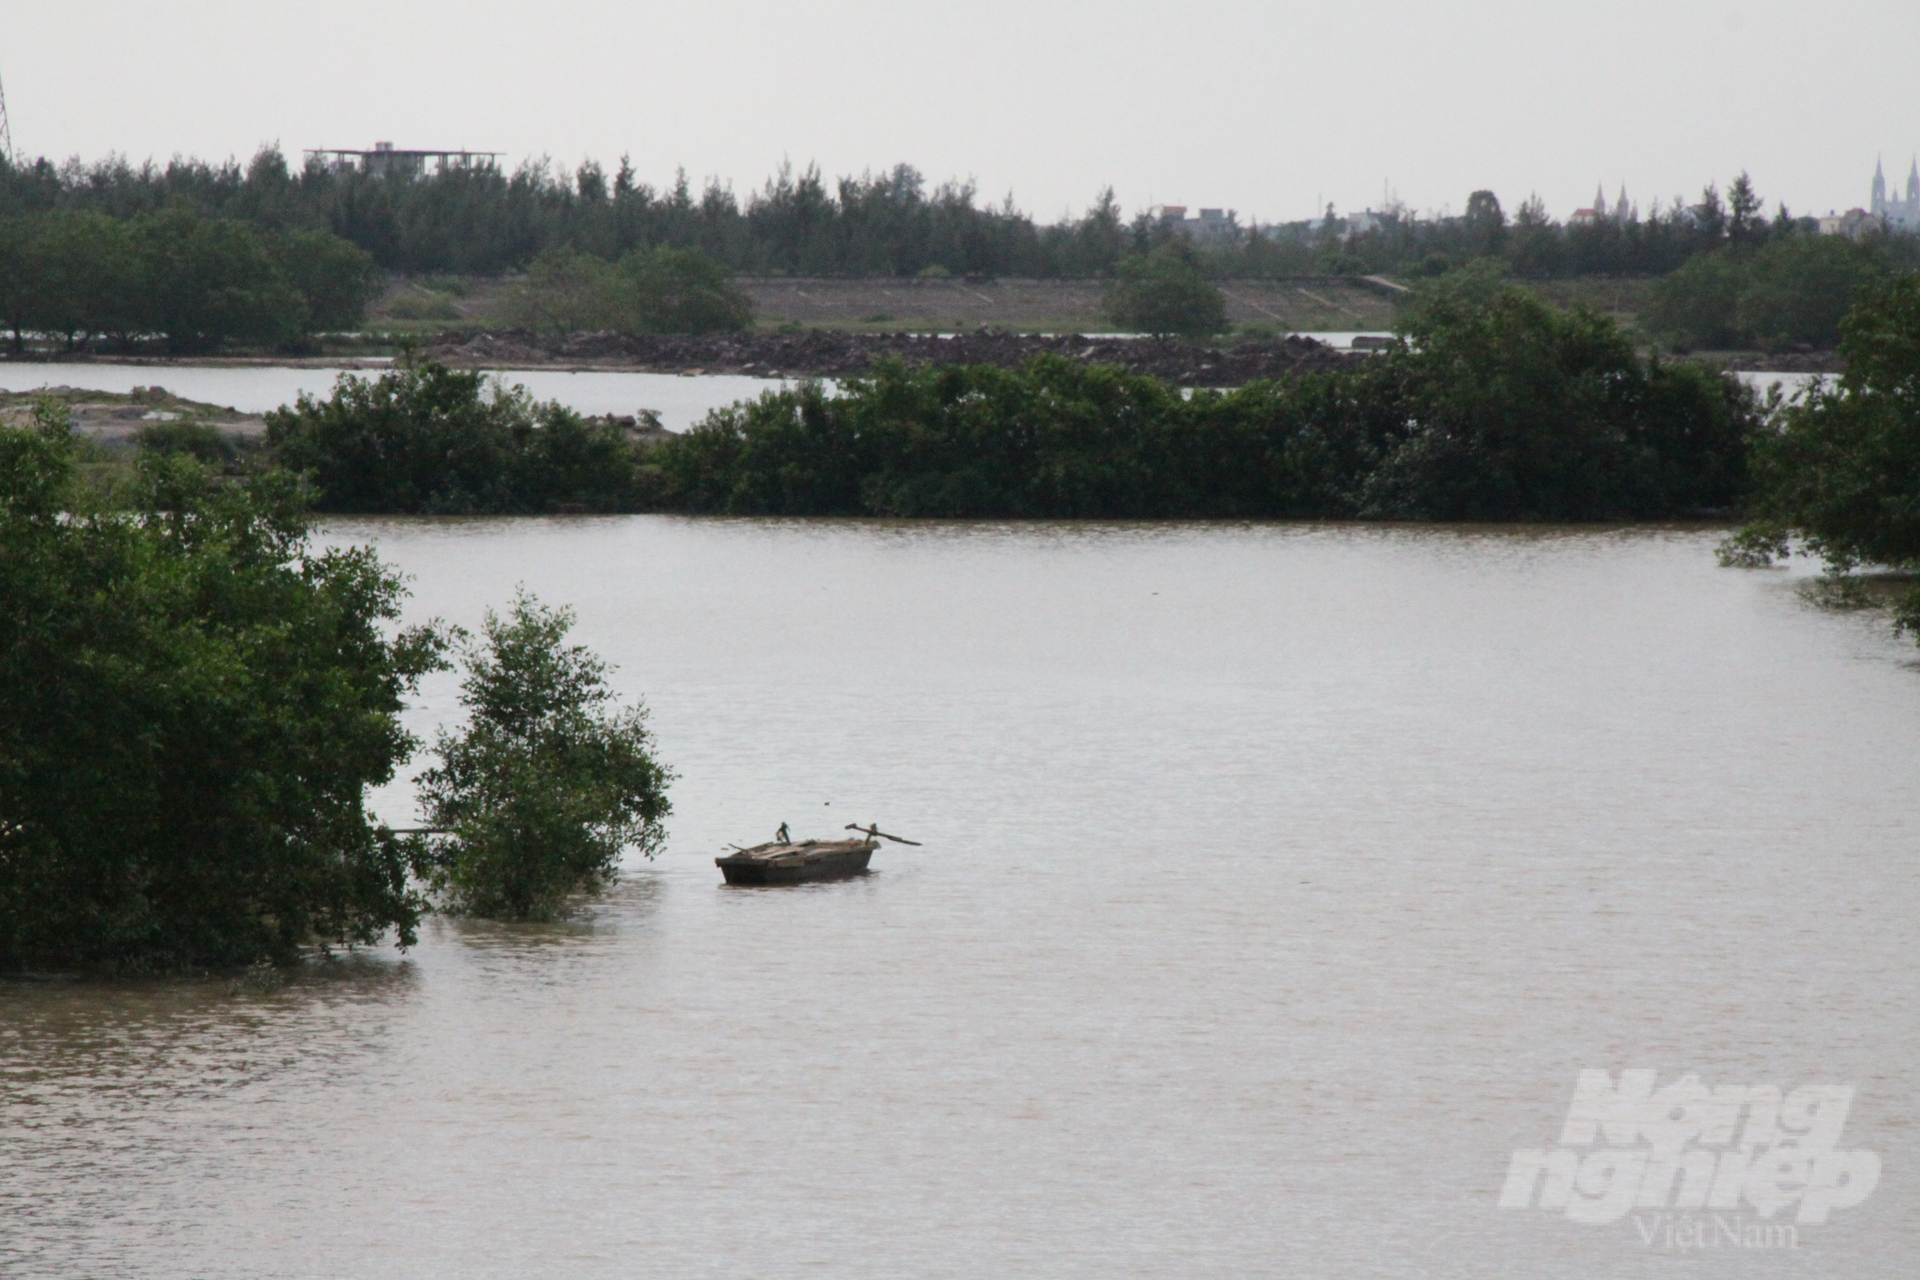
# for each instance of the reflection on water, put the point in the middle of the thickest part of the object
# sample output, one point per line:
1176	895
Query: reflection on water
1277	882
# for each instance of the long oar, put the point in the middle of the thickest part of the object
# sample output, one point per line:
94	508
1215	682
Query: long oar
875	831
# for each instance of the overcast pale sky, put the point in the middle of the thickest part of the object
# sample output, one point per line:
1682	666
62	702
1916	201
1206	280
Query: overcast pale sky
1266	108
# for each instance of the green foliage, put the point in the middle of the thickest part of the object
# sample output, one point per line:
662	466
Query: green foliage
193	700
207	282
671	290
1515	410
198	283
1698	305
660	290
1795	290
1496	408
1485	224
887	223
564	292
201	441
337	280
427	439
1799	289
1166	293
544	791
1842	472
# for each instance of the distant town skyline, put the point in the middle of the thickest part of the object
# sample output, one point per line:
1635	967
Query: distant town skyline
1272	110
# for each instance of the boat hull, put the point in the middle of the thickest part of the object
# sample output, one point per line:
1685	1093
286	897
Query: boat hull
802	866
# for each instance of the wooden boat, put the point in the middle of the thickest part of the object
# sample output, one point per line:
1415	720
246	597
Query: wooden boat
800	861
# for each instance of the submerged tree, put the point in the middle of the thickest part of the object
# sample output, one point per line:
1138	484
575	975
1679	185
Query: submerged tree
545	790
1841	475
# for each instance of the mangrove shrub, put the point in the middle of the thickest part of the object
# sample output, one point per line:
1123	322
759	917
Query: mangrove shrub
537	799
1841	473
1493	407
1506	408
193	701
427	439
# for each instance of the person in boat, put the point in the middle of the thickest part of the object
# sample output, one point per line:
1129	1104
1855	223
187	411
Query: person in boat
782	835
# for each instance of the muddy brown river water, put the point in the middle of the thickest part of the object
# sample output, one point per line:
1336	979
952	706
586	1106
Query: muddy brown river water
1278	883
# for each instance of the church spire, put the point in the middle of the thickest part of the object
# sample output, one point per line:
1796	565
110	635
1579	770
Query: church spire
1879	186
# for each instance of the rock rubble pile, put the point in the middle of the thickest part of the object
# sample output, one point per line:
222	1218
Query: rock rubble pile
828	354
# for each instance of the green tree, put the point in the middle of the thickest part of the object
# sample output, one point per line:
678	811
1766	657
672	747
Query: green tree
1515	410
1710	215
16	278
1794	290
545	789
659	290
1841	474
1166	293
1497	407
565	292
193	701
210	281
1743	210
431	440
667	290
1799	289
1485	224
337	279
1698	306
82	276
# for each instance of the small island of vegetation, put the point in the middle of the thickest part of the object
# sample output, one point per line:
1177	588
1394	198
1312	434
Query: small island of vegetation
194	699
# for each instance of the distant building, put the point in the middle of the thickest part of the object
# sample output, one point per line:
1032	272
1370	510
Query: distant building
1212	224
1903	215
1622	211
386	162
1852	224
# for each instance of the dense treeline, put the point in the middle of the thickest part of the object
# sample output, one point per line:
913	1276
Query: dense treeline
1791	291
487	220
441	441
1535	246
1494	407
197	282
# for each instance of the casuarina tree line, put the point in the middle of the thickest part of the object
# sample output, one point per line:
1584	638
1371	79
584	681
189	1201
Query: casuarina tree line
892	222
